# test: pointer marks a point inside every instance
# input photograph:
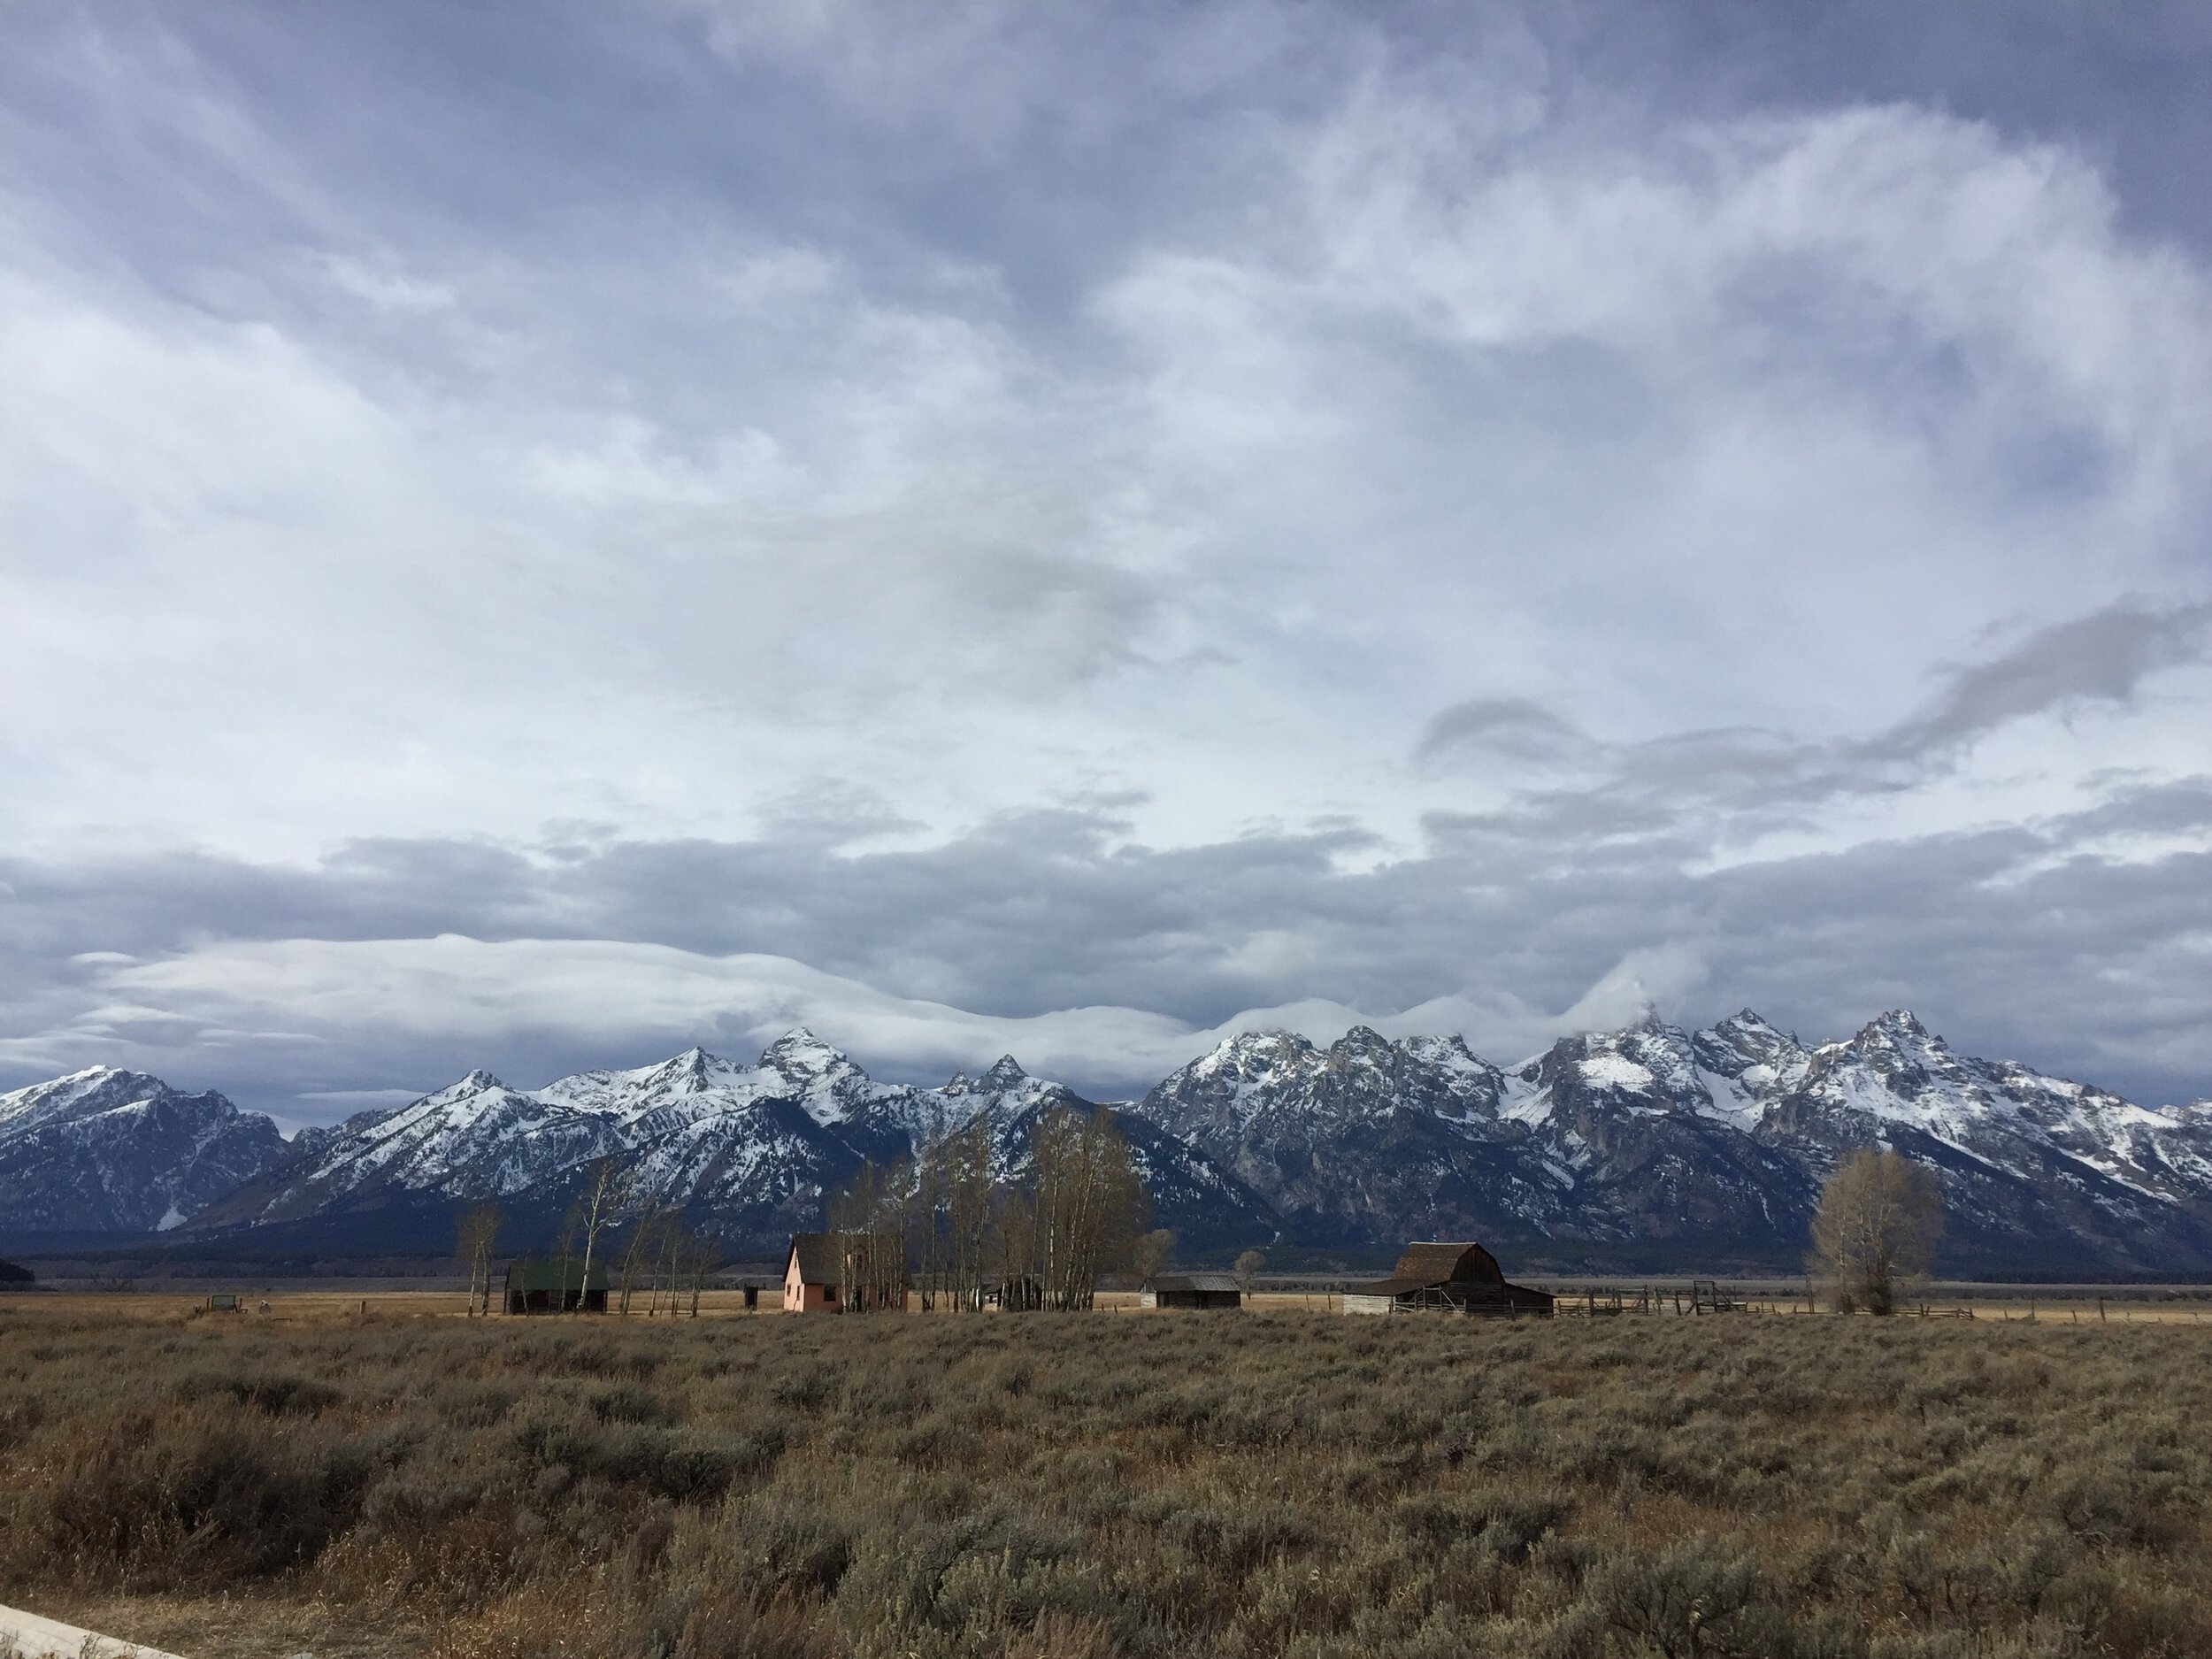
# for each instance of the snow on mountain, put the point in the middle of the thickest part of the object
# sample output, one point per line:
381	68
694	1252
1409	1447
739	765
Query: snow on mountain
106	1151
1365	1136
1654	1145
1745	1065
1709	1144
1205	1204
752	1151
1706	1147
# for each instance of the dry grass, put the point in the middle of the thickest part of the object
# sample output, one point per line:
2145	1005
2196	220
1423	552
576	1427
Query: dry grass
1071	1486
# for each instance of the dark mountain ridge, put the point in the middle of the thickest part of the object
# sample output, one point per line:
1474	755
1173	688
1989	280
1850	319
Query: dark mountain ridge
1649	1149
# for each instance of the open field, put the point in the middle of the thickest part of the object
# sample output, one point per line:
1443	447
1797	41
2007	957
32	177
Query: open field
1039	1485
317	1302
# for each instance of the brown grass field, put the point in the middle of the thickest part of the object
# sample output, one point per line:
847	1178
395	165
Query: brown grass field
406	1482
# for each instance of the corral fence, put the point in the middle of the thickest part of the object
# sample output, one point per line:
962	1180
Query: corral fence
1700	1296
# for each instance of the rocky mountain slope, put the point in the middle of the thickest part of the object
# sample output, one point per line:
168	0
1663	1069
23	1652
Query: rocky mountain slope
1644	1149
1653	1146
749	1152
107	1151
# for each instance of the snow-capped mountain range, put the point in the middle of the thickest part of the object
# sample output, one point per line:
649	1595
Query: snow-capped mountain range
1648	1146
109	1151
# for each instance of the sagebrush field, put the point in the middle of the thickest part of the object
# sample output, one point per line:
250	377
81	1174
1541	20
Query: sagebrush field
1228	1484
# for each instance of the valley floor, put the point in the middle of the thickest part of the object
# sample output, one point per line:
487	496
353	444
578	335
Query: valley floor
326	1481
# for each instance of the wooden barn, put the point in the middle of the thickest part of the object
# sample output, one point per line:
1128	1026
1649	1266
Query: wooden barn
821	1265
556	1286
1190	1290
1448	1277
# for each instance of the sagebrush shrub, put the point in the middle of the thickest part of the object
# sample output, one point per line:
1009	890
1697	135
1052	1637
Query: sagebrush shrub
1270	1485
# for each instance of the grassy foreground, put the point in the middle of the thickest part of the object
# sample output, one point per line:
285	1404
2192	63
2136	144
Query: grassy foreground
1085	1486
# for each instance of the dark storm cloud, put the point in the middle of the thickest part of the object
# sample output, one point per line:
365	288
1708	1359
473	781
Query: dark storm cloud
2096	661
2049	942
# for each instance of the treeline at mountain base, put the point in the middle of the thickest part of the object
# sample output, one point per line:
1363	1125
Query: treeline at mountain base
1104	1484
968	1226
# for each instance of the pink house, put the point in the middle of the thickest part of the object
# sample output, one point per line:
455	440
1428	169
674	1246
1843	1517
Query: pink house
815	1268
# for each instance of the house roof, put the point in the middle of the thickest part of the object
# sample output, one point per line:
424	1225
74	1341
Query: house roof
1210	1283
817	1262
548	1275
819	1256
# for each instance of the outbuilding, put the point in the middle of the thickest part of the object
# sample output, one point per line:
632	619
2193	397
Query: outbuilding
822	1267
1190	1290
556	1286
1448	1276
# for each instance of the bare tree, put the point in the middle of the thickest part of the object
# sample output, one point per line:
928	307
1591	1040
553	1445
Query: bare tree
476	1231
929	1220
1879	1218
637	1250
604	1197
671	1249
1153	1253
870	1221
572	1224
1247	1269
1087	1207
700	1254
972	1189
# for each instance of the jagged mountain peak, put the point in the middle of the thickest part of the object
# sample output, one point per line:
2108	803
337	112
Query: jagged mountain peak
1647	1059
1251	1050
695	1071
74	1085
1448	1048
91	1077
106	1149
1748	1022
94	1090
1362	1043
1900	1026
1747	1049
1005	1073
799	1052
1715	1140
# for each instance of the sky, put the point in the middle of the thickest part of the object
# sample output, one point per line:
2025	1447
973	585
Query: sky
536	536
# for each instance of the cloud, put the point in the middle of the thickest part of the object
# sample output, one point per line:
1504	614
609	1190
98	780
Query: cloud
1508	725
1434	515
339	1001
2098	658
2074	942
2096	662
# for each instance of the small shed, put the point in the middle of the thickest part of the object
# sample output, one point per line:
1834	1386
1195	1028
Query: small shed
821	1267
1448	1276
1190	1290
556	1286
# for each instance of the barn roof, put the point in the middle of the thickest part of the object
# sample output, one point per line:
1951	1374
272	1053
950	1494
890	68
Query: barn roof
555	1275
1460	1262
1210	1283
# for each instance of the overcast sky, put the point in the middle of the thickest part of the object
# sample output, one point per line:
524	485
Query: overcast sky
536	535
